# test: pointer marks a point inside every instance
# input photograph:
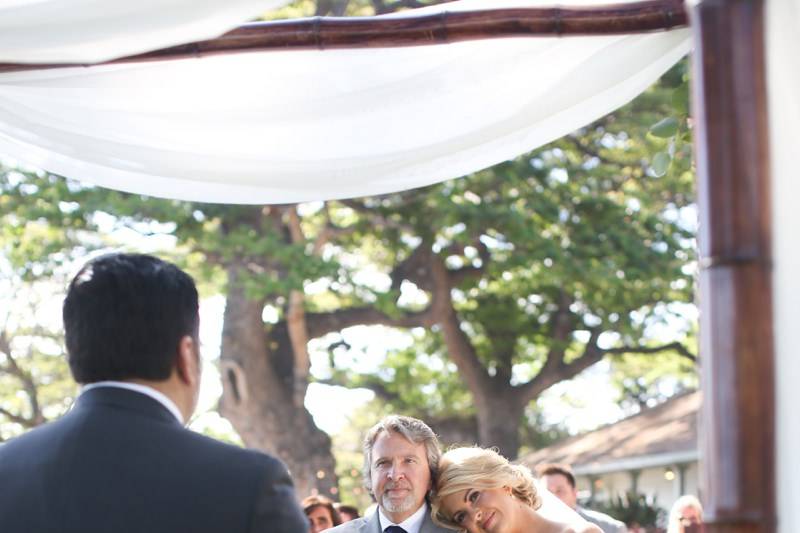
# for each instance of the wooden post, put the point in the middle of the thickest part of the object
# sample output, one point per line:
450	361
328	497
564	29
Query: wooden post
737	418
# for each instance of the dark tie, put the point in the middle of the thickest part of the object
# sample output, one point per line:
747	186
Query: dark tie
394	529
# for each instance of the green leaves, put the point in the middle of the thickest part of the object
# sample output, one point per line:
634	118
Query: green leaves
661	163
665	128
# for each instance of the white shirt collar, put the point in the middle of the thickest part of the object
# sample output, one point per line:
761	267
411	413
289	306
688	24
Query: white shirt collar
412	524
158	396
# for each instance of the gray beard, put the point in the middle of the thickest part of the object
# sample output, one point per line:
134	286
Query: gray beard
393	506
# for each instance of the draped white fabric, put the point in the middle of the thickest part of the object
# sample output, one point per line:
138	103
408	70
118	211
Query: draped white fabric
89	31
274	127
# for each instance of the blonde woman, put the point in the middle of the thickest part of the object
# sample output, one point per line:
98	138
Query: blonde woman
477	490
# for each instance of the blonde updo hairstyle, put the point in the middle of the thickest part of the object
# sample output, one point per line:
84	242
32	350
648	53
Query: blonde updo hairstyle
479	468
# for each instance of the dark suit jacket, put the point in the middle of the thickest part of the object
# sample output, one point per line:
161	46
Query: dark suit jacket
120	462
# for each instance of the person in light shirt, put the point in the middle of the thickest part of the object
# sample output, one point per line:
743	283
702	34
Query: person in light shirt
121	460
400	459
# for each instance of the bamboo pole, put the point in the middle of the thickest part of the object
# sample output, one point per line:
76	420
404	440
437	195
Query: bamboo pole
418	30
736	325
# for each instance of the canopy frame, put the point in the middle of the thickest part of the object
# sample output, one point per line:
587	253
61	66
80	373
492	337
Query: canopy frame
732	150
737	432
417	30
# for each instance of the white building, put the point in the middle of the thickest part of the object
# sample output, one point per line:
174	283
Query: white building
654	453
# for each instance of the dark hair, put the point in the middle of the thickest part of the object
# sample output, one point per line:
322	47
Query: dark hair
347	509
124	316
312	502
552	469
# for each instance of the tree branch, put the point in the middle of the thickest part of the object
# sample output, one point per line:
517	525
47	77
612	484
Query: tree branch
12	368
296	321
459	347
550	375
673	346
553	373
16	418
320	324
5	344
377	387
329	231
561	325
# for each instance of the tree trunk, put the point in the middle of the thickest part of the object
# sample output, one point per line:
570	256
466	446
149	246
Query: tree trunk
258	393
499	416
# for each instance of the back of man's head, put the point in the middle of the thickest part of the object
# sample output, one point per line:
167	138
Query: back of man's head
124	316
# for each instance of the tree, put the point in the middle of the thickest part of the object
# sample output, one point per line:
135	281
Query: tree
520	276
35	385
538	268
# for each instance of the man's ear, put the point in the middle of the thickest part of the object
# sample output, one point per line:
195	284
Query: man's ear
188	360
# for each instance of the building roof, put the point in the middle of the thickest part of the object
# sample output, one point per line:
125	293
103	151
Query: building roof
662	435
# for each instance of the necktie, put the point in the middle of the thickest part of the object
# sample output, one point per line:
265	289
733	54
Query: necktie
394	529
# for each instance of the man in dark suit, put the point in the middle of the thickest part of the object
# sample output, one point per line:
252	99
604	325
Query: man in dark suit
121	460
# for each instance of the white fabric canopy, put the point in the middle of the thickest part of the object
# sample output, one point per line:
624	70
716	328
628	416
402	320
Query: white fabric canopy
275	127
89	31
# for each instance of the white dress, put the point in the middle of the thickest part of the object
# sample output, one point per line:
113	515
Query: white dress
554	509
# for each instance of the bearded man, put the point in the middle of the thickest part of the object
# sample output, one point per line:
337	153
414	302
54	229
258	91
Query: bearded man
401	455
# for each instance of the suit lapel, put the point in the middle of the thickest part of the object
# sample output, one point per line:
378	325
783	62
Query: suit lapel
373	525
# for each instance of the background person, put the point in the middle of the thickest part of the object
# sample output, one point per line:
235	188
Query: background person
347	512
560	480
686	515
321	513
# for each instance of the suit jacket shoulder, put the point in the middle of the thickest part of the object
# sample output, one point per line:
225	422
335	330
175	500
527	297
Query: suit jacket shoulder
364	524
132	467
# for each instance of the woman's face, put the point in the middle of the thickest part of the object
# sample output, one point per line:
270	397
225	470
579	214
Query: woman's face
479	510
320	519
